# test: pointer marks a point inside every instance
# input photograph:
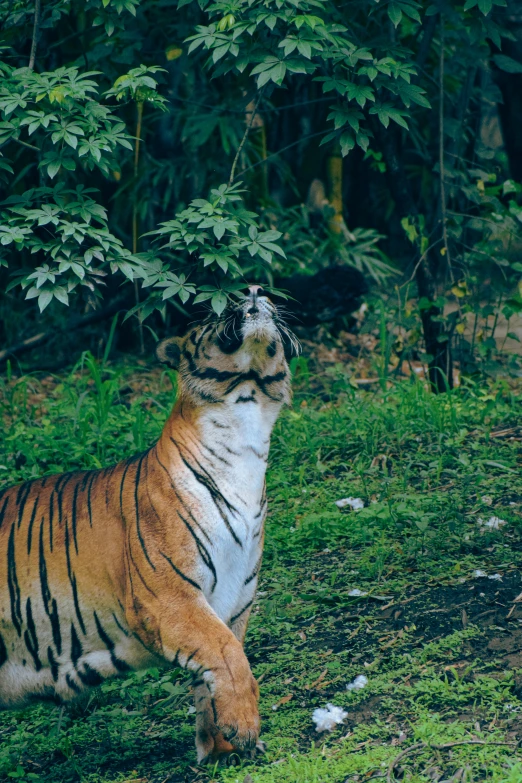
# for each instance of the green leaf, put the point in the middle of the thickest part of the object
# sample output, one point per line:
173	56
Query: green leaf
347	142
485	6
219	302
395	13
44	299
507	64
53	168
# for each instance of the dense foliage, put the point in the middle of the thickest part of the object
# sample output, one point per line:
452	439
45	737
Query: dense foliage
124	120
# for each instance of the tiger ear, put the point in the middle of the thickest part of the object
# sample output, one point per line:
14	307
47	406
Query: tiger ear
169	352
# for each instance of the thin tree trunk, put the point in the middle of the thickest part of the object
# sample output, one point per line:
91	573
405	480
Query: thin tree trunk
334	168
440	369
139	120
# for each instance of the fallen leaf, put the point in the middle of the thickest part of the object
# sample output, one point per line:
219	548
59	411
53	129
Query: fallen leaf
316	682
283	700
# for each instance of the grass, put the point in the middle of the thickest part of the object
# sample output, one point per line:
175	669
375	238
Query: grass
388	591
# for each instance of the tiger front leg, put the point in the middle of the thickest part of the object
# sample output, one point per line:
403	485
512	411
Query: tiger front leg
203	644
210	742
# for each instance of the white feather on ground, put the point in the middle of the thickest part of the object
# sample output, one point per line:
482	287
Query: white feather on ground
355	503
361	681
327	718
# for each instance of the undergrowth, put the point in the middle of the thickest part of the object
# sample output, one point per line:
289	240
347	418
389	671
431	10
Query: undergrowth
390	591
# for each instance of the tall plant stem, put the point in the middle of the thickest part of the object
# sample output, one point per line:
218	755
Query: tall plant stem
245	136
139	121
36	30
444	217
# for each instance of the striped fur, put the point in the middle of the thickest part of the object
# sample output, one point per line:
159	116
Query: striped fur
154	560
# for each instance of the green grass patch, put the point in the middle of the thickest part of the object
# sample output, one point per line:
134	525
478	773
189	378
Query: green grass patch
388	591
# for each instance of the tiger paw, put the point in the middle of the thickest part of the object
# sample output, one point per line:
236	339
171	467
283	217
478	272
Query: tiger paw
237	716
225	754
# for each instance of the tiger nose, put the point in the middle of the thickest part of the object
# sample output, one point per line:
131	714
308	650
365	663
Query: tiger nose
255	291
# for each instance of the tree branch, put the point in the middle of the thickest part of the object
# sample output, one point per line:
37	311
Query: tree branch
36	30
245	136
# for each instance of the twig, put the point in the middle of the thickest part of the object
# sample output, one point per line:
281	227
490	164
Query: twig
245	136
445	746
390	776
36	30
25	144
419	262
283	149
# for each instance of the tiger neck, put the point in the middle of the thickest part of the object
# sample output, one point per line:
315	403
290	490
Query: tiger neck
230	440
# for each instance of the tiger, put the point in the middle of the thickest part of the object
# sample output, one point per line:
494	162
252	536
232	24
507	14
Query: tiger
155	560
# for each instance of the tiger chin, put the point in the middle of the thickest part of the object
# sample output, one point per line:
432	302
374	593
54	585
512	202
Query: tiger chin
155	560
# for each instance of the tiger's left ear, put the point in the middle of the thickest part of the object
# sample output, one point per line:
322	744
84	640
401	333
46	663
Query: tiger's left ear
169	352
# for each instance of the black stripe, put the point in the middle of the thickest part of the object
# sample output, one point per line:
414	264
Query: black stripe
198	342
89	490
14	587
3	651
262	383
137	510
204	477
209	373
258	454
252	398
190	657
218	425
203	551
254	572
72	685
30	528
127	466
2	510
50	606
120	626
51	515
76	646
21	499
31	638
118	664
238	615
89	676
182	502
52	663
59	488
272	349
216	455
74	515
144	583
85	478
180	573
229	450
72	579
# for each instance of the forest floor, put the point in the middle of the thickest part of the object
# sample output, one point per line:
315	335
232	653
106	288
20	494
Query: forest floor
420	591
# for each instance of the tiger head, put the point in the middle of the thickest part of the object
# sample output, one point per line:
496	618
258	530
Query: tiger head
218	358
